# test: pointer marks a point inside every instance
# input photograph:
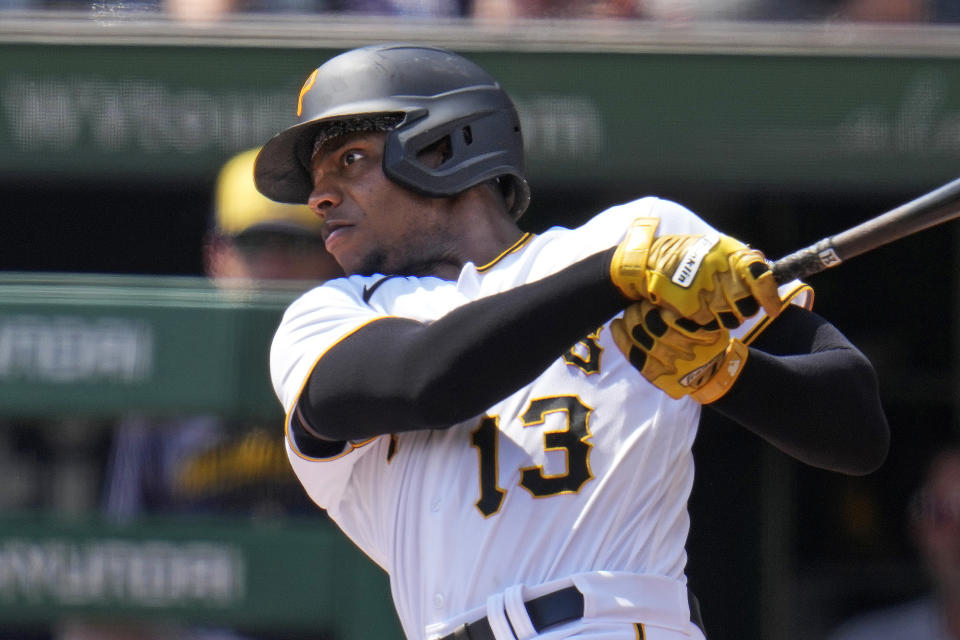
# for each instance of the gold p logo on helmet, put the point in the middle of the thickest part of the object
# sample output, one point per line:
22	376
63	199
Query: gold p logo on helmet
307	85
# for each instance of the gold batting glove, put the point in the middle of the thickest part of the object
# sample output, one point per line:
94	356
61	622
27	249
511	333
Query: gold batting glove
677	355
703	277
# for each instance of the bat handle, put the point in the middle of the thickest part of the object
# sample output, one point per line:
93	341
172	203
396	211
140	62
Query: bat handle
806	262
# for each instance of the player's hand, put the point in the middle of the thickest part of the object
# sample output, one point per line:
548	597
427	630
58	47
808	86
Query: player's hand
700	277
677	355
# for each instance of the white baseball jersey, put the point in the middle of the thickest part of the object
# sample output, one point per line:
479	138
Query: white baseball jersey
581	475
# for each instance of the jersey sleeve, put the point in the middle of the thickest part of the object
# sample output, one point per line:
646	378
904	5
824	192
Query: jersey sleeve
325	479
609	227
311	325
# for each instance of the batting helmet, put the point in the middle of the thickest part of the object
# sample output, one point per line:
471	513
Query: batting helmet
433	93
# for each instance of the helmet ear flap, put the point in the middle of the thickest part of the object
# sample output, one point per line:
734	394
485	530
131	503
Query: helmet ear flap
517	192
483	133
437	154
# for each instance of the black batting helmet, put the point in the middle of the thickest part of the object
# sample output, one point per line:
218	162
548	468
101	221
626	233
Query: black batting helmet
431	94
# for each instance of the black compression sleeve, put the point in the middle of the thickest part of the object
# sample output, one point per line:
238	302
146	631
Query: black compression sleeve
398	375
807	390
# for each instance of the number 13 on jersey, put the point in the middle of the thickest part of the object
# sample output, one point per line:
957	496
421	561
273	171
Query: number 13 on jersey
572	441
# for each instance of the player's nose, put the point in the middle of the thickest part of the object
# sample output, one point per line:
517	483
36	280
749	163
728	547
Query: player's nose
323	197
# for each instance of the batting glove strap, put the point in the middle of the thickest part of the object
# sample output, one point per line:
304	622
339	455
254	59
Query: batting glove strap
628	269
727	369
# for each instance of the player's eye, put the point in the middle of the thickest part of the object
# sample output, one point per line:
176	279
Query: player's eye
351	156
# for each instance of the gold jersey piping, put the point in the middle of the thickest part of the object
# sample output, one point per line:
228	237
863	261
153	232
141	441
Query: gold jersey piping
516	246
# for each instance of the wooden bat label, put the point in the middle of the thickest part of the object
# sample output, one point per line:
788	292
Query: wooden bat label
829	257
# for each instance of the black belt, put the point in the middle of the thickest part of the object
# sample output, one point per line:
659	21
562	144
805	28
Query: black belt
547	611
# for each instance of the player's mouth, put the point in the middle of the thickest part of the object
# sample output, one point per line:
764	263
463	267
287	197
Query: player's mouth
332	231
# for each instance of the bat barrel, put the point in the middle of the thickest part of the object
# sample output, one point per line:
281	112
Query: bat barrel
930	209
933	208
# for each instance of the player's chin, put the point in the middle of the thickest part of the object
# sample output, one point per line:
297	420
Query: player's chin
346	251
363	263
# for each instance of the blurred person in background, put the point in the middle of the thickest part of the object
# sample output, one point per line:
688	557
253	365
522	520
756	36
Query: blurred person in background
199	11
198	464
707	11
208	464
872	11
506	10
255	242
203	11
934	520
185	10
209	12
889	11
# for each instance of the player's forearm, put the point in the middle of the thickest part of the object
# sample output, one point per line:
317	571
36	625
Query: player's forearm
401	375
821	407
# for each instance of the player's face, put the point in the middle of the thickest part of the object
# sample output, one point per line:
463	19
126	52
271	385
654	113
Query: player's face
373	225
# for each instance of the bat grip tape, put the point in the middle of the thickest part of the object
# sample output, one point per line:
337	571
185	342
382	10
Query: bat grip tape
806	262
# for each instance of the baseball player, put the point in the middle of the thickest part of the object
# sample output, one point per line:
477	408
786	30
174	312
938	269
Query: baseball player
503	421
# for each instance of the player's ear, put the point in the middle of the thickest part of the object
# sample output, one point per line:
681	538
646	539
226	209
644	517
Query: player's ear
435	154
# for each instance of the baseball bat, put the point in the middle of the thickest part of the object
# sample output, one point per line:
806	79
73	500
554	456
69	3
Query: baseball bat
933	208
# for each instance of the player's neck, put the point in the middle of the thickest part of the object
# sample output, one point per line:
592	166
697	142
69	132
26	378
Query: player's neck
479	250
482	230
486	248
